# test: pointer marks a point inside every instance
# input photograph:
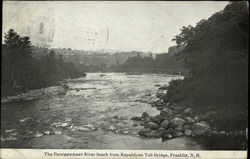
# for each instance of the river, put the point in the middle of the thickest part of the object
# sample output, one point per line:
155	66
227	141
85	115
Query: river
94	114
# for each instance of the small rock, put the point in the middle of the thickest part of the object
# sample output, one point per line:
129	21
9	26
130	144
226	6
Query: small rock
13	133
62	93
77	89
197	118
165	124
222	132
38	134
179	128
144	132
64	124
215	132
156	119
136	118
169	131
177	122
190	120
111	127
65	86
135	124
160	108
144	115
160	95
164	87
10	138
24	119
47	132
188	132
125	132
68	119
152	126
58	132
188	111
10	130
177	134
201	128
166	113
167	136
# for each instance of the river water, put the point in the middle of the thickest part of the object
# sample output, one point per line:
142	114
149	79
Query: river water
94	114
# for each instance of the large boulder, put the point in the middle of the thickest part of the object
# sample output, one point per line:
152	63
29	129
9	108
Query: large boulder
152	126
166	113
156	119
201	128
165	124
176	122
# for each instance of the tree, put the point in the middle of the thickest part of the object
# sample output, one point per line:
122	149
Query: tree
216	52
17	53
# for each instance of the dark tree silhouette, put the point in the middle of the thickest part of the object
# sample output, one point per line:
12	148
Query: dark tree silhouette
216	53
21	72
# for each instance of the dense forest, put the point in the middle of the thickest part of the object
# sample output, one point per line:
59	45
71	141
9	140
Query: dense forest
22	72
216	53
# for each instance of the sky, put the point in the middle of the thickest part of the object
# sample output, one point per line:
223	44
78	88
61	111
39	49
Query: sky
147	26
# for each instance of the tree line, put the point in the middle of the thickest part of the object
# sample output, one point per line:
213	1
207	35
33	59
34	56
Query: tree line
163	63
22	72
216	54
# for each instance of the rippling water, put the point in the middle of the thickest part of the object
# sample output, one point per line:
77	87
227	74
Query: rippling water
94	114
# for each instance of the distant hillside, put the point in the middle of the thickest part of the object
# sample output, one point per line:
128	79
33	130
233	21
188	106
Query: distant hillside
161	63
89	57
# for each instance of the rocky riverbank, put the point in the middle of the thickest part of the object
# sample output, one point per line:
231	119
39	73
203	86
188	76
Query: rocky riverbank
30	95
176	121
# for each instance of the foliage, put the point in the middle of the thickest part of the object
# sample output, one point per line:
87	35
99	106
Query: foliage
216	53
21	72
174	91
162	63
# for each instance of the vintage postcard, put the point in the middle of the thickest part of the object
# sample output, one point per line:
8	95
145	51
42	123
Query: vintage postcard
124	79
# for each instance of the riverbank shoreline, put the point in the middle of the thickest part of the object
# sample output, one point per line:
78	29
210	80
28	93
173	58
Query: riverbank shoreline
60	88
125	102
175	121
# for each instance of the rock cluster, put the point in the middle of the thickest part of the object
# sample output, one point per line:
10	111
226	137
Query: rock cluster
175	121
169	124
172	121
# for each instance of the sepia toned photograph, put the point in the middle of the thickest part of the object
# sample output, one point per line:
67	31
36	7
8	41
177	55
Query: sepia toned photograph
125	75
